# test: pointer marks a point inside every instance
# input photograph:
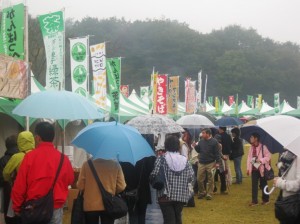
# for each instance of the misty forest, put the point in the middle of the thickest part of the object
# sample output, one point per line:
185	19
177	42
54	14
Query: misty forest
237	60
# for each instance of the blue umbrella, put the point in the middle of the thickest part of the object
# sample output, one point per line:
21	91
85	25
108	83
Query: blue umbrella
111	140
54	104
228	122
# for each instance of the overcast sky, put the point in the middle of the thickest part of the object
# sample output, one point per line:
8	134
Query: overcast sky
277	19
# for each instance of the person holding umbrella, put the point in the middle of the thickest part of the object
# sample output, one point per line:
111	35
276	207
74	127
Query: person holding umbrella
289	180
258	157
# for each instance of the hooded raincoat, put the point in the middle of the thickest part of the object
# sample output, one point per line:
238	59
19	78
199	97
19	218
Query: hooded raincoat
25	143
178	174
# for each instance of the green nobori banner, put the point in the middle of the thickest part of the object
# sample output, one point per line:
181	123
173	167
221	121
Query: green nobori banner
113	69
52	23
12	31
52	26
79	64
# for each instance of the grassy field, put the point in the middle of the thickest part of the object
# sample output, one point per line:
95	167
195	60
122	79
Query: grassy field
231	208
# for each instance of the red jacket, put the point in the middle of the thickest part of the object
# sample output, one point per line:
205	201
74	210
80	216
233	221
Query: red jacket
36	175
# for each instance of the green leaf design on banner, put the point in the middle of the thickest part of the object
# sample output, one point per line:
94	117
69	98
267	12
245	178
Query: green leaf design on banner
52	23
79	74
81	91
79	52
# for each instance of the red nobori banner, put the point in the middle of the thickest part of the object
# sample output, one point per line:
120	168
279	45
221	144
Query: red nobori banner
231	100
161	95
125	90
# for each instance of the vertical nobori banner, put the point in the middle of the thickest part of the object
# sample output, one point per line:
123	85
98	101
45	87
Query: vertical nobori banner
199	95
210	100
144	91
231	100
190	96
217	104
12	31
98	55
173	95
114	76
152	93
259	101
276	103
52	26
250	101
161	94
79	65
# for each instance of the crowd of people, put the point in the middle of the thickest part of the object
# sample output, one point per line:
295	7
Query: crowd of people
183	168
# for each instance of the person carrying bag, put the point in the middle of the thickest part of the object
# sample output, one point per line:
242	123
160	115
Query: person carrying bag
287	205
115	206
40	210
268	174
110	174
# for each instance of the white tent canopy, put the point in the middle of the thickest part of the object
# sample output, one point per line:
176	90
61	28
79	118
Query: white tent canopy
225	108
137	100
286	107
265	108
244	107
209	107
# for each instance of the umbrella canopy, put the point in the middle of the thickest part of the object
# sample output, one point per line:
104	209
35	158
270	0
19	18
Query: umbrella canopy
210	116
111	140
277	132
154	124
57	105
195	121
228	122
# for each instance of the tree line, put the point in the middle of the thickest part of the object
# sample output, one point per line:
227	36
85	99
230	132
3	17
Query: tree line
237	60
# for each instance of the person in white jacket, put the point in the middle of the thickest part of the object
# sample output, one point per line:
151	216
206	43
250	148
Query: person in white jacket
289	180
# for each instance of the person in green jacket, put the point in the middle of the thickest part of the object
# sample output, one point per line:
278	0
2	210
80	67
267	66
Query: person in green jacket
25	143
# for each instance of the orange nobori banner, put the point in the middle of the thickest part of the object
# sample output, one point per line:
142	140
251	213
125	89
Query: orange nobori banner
173	94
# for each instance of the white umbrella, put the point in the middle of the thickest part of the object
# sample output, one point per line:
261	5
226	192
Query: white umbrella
154	124
277	132
195	121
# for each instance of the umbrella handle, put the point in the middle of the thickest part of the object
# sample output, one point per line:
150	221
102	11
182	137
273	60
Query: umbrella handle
266	190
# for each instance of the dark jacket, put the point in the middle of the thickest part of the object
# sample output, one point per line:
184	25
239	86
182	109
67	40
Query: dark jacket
237	148
226	143
138	175
3	161
208	151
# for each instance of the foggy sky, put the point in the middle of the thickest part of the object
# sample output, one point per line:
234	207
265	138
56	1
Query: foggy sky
276	19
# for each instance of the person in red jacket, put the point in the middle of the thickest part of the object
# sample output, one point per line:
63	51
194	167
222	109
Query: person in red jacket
37	172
